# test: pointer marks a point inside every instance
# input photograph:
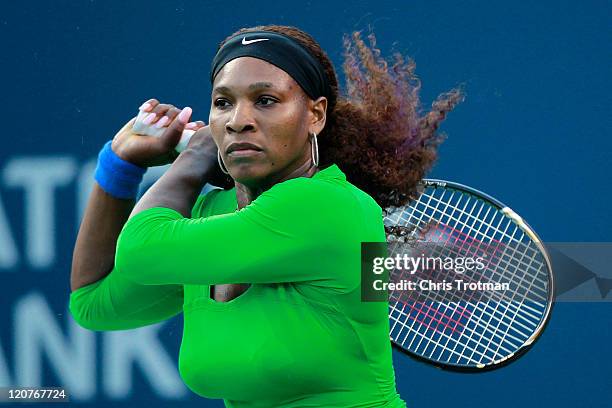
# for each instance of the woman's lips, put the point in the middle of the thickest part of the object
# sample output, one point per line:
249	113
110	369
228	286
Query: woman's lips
243	149
244	153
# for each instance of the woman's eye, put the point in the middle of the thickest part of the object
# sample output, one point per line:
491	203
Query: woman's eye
265	100
221	103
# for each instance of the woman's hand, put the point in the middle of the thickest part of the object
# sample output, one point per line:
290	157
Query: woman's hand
202	141
203	144
146	150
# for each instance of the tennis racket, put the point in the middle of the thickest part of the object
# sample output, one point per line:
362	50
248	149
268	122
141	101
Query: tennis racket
503	302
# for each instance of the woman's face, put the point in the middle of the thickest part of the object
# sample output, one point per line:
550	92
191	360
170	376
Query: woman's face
260	119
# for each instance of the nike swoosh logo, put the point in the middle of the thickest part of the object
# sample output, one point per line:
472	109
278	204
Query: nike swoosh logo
247	42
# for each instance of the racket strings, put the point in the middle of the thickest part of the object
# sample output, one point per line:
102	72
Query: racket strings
473	229
522	243
504	261
486	326
403	326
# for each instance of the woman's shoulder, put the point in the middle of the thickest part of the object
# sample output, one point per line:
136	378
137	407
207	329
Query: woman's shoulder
327	193
334	185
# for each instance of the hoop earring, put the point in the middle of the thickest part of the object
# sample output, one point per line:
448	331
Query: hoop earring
223	169
314	149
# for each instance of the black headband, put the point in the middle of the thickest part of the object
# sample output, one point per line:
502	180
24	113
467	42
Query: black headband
281	51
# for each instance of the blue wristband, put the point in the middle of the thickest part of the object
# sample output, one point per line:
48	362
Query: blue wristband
116	176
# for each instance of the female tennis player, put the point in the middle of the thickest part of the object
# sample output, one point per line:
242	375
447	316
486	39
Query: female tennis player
266	271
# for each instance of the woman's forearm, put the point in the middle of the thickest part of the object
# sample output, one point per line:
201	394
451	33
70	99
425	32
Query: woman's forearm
94	252
105	216
121	165
181	185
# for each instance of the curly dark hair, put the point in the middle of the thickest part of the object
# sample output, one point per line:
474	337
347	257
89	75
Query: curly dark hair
376	133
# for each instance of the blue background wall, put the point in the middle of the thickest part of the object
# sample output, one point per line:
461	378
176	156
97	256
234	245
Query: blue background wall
533	132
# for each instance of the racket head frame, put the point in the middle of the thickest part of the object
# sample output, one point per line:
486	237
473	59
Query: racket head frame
525	227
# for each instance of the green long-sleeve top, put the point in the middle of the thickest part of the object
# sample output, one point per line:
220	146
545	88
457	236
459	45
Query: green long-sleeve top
300	336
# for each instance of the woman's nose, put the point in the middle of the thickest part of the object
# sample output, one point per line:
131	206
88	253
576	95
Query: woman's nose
241	120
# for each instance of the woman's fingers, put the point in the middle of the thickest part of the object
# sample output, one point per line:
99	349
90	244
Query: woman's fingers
195	125
157	113
160	118
144	111
173	133
169	125
184	116
172	113
161	122
148	105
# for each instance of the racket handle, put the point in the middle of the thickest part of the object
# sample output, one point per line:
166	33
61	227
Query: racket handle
150	130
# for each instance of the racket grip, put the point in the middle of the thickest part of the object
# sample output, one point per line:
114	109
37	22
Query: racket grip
149	130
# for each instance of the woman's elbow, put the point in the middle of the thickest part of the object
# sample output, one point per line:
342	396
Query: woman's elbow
84	317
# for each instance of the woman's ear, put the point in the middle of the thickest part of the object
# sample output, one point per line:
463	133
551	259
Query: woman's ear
318	110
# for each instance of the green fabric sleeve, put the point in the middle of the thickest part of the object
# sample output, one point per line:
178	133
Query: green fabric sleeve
274	239
116	303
